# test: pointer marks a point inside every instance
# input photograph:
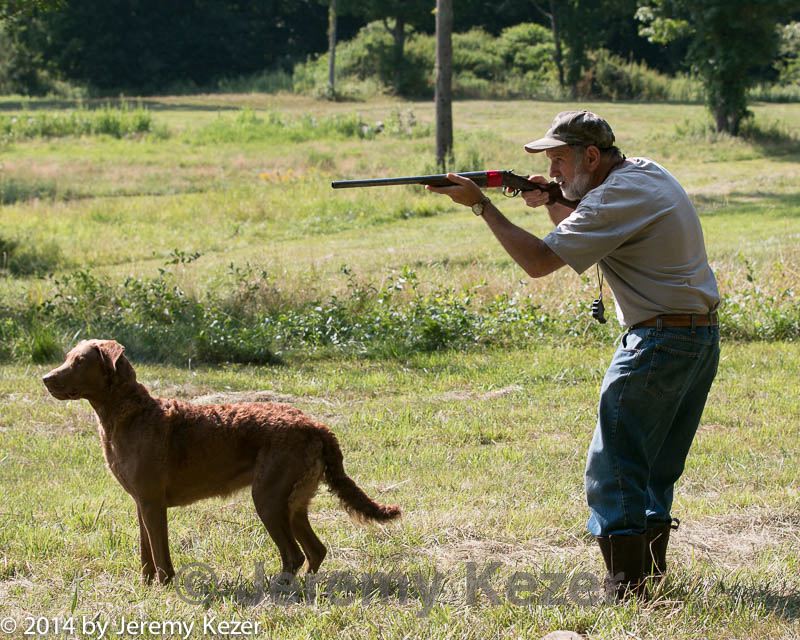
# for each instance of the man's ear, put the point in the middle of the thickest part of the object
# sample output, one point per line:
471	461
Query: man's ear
591	156
110	351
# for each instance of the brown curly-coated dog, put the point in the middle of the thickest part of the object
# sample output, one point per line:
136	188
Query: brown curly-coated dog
167	453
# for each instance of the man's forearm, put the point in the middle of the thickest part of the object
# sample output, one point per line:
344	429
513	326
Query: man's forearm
558	212
527	250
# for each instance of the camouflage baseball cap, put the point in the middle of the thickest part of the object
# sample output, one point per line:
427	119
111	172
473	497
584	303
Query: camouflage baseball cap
575	127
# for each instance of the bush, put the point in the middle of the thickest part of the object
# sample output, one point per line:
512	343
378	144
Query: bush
611	77
517	63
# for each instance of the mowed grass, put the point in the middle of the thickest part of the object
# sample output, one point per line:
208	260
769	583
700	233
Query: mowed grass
485	454
483	450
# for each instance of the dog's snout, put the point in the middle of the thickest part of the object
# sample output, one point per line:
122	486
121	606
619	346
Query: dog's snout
52	379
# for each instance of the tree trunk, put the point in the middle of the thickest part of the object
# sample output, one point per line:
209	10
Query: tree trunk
399	35
444	83
332	50
559	58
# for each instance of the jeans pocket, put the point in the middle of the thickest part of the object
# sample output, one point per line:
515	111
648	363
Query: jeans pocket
669	369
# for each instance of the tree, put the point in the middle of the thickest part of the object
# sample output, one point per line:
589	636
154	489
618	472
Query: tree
729	42
579	26
23	66
551	13
444	78
397	16
151	45
332	49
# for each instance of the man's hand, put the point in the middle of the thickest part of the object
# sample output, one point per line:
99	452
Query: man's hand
464	191
534	197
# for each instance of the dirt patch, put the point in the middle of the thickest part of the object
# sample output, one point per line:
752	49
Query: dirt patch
463	395
732	541
236	397
728	541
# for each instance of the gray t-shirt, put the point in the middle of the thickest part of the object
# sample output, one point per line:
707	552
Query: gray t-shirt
641	227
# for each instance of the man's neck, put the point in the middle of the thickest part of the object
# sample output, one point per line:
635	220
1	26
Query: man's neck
605	168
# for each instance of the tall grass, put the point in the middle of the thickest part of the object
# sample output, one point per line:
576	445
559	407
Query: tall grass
16	190
250	126
116	122
23	258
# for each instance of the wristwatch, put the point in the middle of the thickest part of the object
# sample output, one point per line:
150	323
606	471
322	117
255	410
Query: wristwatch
479	206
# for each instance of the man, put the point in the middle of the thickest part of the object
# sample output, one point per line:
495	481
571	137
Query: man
636	222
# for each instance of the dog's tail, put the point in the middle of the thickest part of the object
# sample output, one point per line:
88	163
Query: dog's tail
354	500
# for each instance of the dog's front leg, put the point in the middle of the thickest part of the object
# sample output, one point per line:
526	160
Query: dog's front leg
154	524
145	552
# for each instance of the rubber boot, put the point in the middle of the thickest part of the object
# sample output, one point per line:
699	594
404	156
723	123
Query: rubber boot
625	561
656	551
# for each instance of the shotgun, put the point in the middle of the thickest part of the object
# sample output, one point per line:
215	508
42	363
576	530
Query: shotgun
511	183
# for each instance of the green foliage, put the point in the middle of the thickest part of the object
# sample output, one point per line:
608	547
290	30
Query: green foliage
517	62
755	311
115	122
18	258
788	62
247	318
730	41
610	77
147	46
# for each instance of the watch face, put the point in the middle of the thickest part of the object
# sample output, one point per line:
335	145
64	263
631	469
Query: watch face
477	208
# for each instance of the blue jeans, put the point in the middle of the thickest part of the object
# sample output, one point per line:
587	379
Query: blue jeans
652	397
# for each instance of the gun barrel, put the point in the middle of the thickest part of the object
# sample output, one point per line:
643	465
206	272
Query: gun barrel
384	182
481	178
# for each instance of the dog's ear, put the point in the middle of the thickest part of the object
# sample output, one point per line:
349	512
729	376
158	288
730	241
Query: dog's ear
111	353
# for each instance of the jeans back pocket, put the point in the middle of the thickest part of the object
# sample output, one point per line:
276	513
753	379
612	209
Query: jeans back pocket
671	366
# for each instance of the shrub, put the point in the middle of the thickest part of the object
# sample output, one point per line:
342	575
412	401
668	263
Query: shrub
611	77
518	62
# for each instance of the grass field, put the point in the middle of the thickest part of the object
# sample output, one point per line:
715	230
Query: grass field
481	443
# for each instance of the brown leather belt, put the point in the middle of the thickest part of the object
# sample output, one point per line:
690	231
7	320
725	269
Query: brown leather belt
681	320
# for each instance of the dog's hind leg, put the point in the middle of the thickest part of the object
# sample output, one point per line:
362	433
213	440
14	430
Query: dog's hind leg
272	486
312	546
299	500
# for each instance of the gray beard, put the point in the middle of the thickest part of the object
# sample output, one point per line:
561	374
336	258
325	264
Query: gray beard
579	186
